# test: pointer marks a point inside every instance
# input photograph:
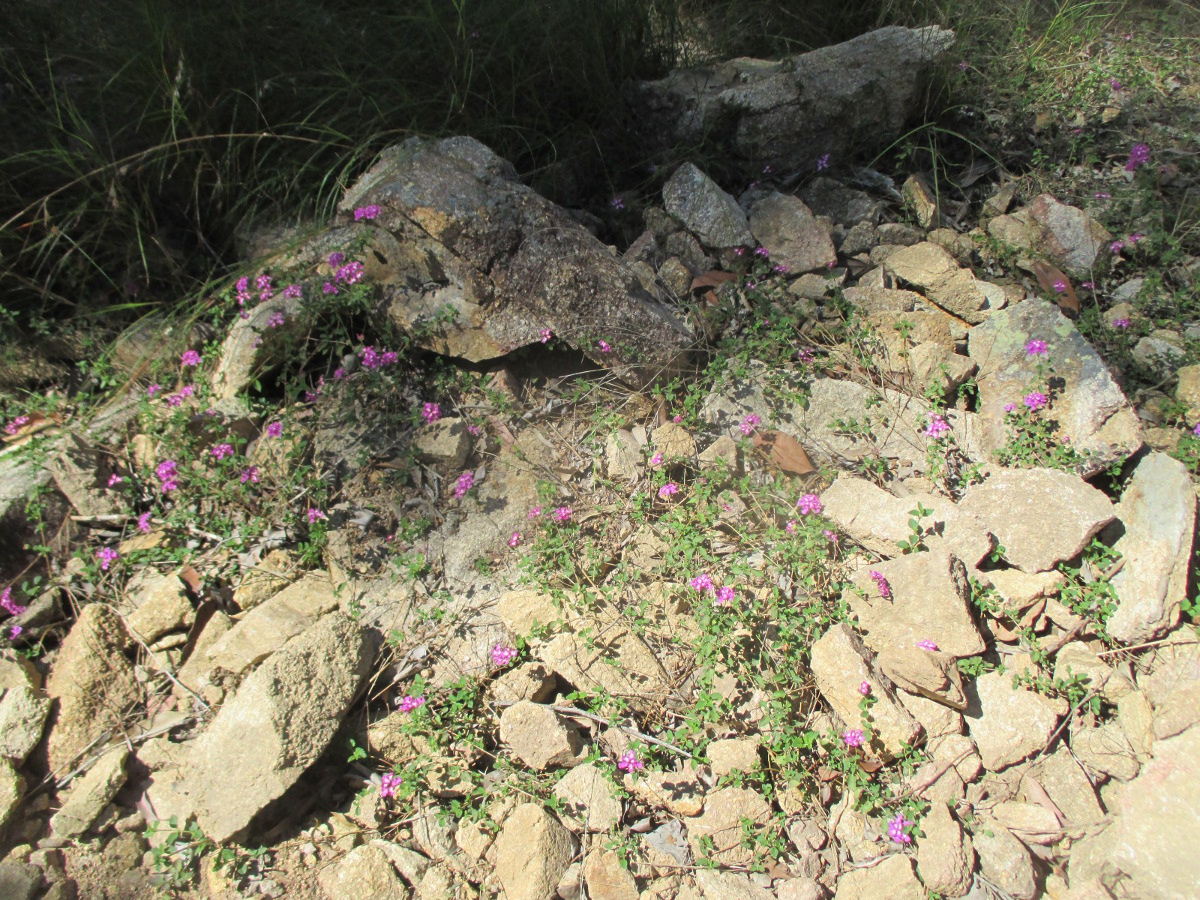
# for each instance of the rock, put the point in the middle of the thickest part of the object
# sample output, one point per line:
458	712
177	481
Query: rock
1091	411
873	301
930	601
266	579
790	112
1015	504
733	755
90	794
522	610
607	879
800	889
1173	687
531	681
283	717
252	349
936	273
437	884
893	878
1159	352
617	662
859	239
840	663
270	625
1070	238
1105	752
786	228
23	711
925	673
1146	849
719	885
1031	823
879	521
589	800
532	852
932	364
724	812
674	442
1019	588
445	442
945	857
722	455
93	682
705	210
919	199
365	873
680	793
1004	861
1187	390
1158	510
1064	780
1010	723
1077	658
162	607
540	738
80	473
463	232
19	880
936	718
12	789
623	456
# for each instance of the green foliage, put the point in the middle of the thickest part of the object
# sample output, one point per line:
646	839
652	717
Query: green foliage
176	852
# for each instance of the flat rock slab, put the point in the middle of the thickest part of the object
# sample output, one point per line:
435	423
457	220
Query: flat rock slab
930	601
90	794
589	799
894	878
365	873
956	290
280	722
1158	510
1091	410
791	234
1017	505
724	812
1009	724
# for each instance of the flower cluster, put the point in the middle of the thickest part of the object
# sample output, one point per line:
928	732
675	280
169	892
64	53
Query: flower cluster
604	347
1035	400
114	479
388	784
823	162
373	359
616	203
314	515
107	556
937	426
292	292
411	703
927	644
562	515
722	596
1120	324
656	460
762	252
1139	155
896	830
168	475
143	523
853	737
220	451
748	424
250	475
277	319
9	605
16	424
515	540
502	655
885	589
366	212
1036	348
545	334
275	429
668	490
349	273
810	504
535	513
864	688
629	762
189	358
431	412
465	482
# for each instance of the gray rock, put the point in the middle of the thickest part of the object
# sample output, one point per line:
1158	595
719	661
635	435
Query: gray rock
623	456
1091	410
1159	354
938	275
1066	235
12	789
19	880
1004	861
365	873
81	472
1158	510
786	228
790	112
445	442
1068	786
279	723
23	712
1009	724
1016	504
705	210
252	348
90	794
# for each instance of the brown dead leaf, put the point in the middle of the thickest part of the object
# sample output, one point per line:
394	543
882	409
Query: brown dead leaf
711	279
1051	279
870	764
190	577
784	451
826	774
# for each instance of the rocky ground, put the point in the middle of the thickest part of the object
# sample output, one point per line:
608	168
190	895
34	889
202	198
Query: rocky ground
806	548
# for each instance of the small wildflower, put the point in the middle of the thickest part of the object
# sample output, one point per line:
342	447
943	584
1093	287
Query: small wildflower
739	251
14	632
545	334
1036	400
431	412
864	688
749	424
535	513
1116	246
466	481
1036	347
143	523
167	472
314	516
242	286
17	424
630	762
937	427
1102	195
107	556
1196	430
366	212
190	358
1010	407
823	162
677	418
763	252
767	169
896	830
250	475
350	273
336	259
963	65
656	459
668	490
616	203
275	429
515	540
853	737
724	595
502	655
410	703
339	373
1088	285
187	390
388	784
604	347
780	268
1060	286
153	389
790	527
1121	324
885	589
9	605
292	292
702	583
806	355
276	320
221	451
927	644
114	479
562	515
1135	237
1139	155
830	536
474	430
809	504
1114	84
329	288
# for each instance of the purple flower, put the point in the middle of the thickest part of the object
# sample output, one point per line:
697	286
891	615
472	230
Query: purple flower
749	424
350	273
963	65
864	688
329	288
275	429
18	423
410	703
1010	407
1116	246
189	358
474	430
809	504
15	632
779	267
277	319
702	583
725	595
336	259
9	605
1196	430
292	292
763	252
1114	84
853	737
167	472
937	426
1102	195
535	513
823	162
366	212
630	762
1139	155
221	451
431	412
767	169
545	334
896	830
1036	400
562	515
790	527
107	556
143	524
1036	347
604	347
503	655
153	389
114	479
927	644
667	490
616	203
885	589
830	536
656	459
263	283
466	481
515	540
1059	286
1121	324
388	784
1088	285
250	475
314	516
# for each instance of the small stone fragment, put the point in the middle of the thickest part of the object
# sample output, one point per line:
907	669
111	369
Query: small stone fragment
540	738
365	873
588	799
1012	723
532	852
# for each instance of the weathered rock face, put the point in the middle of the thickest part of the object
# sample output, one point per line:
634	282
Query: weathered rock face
954	289
532	852
705	210
463	233
88	795
1090	410
1009	724
721	821
278	724
893	878
365	873
790	112
1068	236
787	229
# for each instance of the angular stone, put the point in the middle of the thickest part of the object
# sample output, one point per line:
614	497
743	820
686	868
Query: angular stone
522	610
23	712
721	821
1068	786
786	228
1004	861
937	273
1019	588
893	878
93	682
280	722
531	681
723	454
623	456
930	601
1187	389
12	789
674	442
617	662
264	580
1173	687
931	363
945	857
589	800
720	885
935	718
919	199
445	442
1067	235
680	793
840	663
252	347
79	472
532	852
1077	658
926	673
162	607
1105	752
365	873
879	521
1158	510
90	794
876	301
1031	823
1016	504
607	879
1091	411
540	738
733	755
1009	723
705	210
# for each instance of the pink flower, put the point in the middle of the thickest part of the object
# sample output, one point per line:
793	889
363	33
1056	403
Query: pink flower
502	655
221	451
167	472
780	268
1102	195
830	536
739	251
143	523
630	762
677	419
1059	286
790	527
410	703
667	490
762	252
336	259
350	273
864	688
187	390
14	632
806	355
465	482
190	358
242	286
937	427
314	516
885	589
388	784
545	335
366	212
292	292
1010	407
896	830
16	424
562	515
604	347
9	605
853	737
1121	324
276	320
250	475
275	429
1036	400
1038	348
114	479
107	556
153	389
810	504
1088	285
616	203
927	644
431	412
1196	430
1114	84
749	424
535	513
656	459
1139	155
1116	246
823	162
724	595
1135	237
515	540
702	583
329	288
474	430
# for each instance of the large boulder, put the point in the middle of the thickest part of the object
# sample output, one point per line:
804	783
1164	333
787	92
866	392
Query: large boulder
790	112
1068	236
460	233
